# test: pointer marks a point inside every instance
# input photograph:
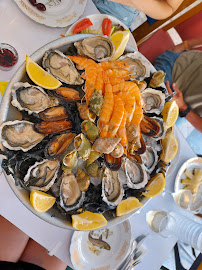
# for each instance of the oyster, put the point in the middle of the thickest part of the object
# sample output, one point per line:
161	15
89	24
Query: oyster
61	67
138	66
42	175
71	196
105	145
82	145
54	114
19	135
135	173
154	100
150	158
31	98
99	48
112	188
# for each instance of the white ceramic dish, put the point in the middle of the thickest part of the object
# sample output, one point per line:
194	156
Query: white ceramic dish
86	256
97	19
59	13
190	164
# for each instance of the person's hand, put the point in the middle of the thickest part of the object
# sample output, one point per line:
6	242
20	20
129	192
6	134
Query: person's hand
178	97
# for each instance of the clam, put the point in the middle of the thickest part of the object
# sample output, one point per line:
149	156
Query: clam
150	158
52	127
59	145
31	98
135	173
89	130
19	135
42	175
157	79
83	180
71	197
67	93
82	145
71	159
99	48
61	67
138	66
54	114
96	101
105	145
154	100
112	188
85	113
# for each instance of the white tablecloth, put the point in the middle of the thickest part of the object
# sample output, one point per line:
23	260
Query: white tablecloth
27	36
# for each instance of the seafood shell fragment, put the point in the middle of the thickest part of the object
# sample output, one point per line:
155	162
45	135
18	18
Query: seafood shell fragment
112	188
31	98
61	67
19	135
154	100
99	48
42	175
136	174
71	197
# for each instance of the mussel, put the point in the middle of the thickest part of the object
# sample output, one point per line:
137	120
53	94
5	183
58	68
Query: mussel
112	163
52	127
67	93
59	145
54	114
149	126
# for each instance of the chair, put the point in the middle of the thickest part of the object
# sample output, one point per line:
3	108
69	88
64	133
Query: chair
156	44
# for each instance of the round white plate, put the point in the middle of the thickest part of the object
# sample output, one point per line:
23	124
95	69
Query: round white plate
190	164
97	19
59	13
86	256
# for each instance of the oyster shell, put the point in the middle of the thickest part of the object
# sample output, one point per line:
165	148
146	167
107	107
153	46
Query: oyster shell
31	98
135	173
154	100
99	48
112	188
61	67
19	135
150	158
71	196
42	175
138	66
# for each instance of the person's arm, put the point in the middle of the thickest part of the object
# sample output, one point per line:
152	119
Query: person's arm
156	9
192	117
187	44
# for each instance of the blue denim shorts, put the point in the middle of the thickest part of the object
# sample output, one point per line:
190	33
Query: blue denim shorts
125	14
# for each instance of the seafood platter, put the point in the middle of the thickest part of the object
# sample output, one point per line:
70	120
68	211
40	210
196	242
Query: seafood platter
92	142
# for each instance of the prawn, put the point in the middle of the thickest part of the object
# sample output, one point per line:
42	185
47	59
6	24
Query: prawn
113	64
118	73
116	117
122	132
137	116
129	101
82	62
115	80
118	87
99	84
106	110
132	87
91	76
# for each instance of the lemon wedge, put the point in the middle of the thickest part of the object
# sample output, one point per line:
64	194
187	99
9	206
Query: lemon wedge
127	206
170	147
170	113
155	186
3	86
120	40
39	76
41	201
88	221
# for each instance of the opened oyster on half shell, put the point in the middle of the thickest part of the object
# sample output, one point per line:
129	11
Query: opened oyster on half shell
61	67
31	98
154	100
99	48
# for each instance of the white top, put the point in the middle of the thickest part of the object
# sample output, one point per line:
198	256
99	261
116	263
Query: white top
27	36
